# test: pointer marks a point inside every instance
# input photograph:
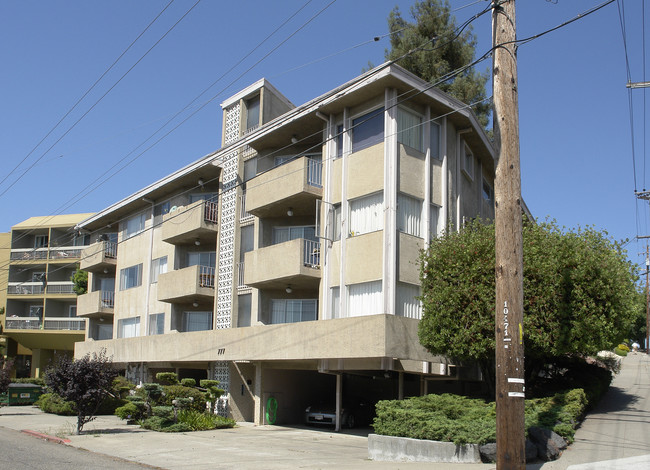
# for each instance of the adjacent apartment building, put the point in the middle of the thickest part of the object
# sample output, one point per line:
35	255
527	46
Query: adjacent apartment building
285	265
40	318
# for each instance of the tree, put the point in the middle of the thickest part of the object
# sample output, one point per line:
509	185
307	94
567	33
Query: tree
85	382
580	294
439	49
5	373
80	280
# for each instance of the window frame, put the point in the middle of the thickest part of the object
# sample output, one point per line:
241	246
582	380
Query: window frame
125	275
468	161
158	267
404	199
358	124
418	128
130	321
185	319
375	224
140	221
286	311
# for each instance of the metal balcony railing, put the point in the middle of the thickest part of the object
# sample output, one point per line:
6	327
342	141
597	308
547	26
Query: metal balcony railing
240	276
23	323
314	172
206	276
110	249
312	254
28	254
107	299
25	288
211	212
243	215
74	324
58	287
65	252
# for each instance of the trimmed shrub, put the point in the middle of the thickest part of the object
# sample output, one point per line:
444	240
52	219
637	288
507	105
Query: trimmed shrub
109	405
165	412
188	382
122	387
204	421
172	392
29	380
131	411
53	403
167	378
620	352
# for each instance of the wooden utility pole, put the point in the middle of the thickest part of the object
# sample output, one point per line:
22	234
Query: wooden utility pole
510	386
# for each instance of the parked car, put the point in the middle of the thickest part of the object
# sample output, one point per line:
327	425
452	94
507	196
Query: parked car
356	413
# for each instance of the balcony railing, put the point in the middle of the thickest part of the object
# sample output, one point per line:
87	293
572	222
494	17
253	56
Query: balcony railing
60	287
243	215
65	252
110	249
240	276
211	212
107	299
28	254
315	172
25	288
206	276
312	254
75	324
51	323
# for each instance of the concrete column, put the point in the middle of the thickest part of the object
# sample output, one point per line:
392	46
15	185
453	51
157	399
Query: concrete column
339	394
257	396
400	382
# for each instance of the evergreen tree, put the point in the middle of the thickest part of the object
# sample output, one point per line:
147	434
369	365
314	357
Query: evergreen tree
440	48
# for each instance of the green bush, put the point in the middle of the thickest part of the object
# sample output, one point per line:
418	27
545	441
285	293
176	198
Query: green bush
165	412
188	382
172	392
130	411
109	405
624	347
204	421
29	380
53	403
122	387
167	378
462	420
620	352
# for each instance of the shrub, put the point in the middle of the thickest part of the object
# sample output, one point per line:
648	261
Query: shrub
620	352
173	392
165	412
167	378
53	403
624	347
109	405
188	382
122	387
204	421
30	380
130	411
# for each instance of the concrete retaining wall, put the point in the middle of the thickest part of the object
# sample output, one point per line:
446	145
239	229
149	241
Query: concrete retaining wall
403	449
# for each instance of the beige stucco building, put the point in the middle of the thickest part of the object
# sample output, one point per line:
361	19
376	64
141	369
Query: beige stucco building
41	307
285	264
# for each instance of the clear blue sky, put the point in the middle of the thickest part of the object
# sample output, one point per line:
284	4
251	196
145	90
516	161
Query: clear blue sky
576	140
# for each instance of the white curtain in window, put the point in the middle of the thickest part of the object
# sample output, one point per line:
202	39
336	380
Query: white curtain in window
129	327
366	214
197	321
336	302
293	310
407	303
284	234
365	299
409	128
409	215
156	324
158	266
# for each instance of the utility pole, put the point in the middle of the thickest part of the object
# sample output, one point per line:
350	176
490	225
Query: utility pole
510	386
646	195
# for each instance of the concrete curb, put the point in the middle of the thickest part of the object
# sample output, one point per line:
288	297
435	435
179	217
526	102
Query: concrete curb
46	437
404	449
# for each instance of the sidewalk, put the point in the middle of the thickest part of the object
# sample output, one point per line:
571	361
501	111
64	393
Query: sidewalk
618	429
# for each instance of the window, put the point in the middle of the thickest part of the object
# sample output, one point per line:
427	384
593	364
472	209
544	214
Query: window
128	327
134	225
336	302
202	258
158	267
434	141
38	276
247	239
253	112
409	129
72	311
41	241
36	311
488	192
131	277
250	169
366	214
408	304
81	239
104	331
336	223
159	211
203	197
339	141
434	214
365	299
197	321
285	234
368	130
409	215
293	310
468	161
282	159
244	310
156	324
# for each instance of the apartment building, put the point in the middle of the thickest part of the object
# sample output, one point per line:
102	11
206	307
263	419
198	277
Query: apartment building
285	265
41	307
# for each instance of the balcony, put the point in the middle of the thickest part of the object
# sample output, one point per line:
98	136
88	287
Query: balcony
28	254
295	263
25	288
65	253
58	333
197	222
194	283
296	185
99	257
60	287
95	304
